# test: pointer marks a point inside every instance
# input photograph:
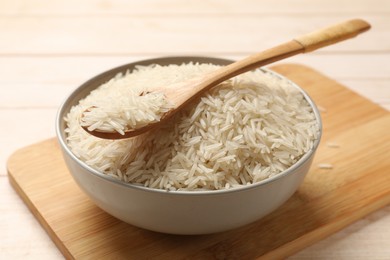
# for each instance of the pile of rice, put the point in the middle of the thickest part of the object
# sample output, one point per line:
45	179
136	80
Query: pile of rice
245	130
127	108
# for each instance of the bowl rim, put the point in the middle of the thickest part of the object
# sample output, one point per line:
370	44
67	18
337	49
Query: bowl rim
61	138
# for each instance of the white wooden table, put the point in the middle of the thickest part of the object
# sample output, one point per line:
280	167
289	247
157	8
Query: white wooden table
47	48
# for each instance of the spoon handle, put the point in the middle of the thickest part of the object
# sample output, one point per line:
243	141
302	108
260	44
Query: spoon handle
306	43
183	93
332	34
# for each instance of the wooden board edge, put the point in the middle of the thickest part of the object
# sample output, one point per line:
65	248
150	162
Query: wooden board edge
30	205
324	231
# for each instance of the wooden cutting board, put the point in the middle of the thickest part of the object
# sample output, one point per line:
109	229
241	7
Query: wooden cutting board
356	143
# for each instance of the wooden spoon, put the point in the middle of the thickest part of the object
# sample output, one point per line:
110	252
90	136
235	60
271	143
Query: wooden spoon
181	94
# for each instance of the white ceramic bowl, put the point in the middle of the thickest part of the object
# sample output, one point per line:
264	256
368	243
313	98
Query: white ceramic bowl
179	212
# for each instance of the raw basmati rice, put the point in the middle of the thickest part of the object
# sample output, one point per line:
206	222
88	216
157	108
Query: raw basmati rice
332	145
245	130
123	110
325	166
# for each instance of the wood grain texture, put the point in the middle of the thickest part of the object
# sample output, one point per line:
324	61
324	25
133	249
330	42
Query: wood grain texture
82	35
71	71
327	201
190	7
